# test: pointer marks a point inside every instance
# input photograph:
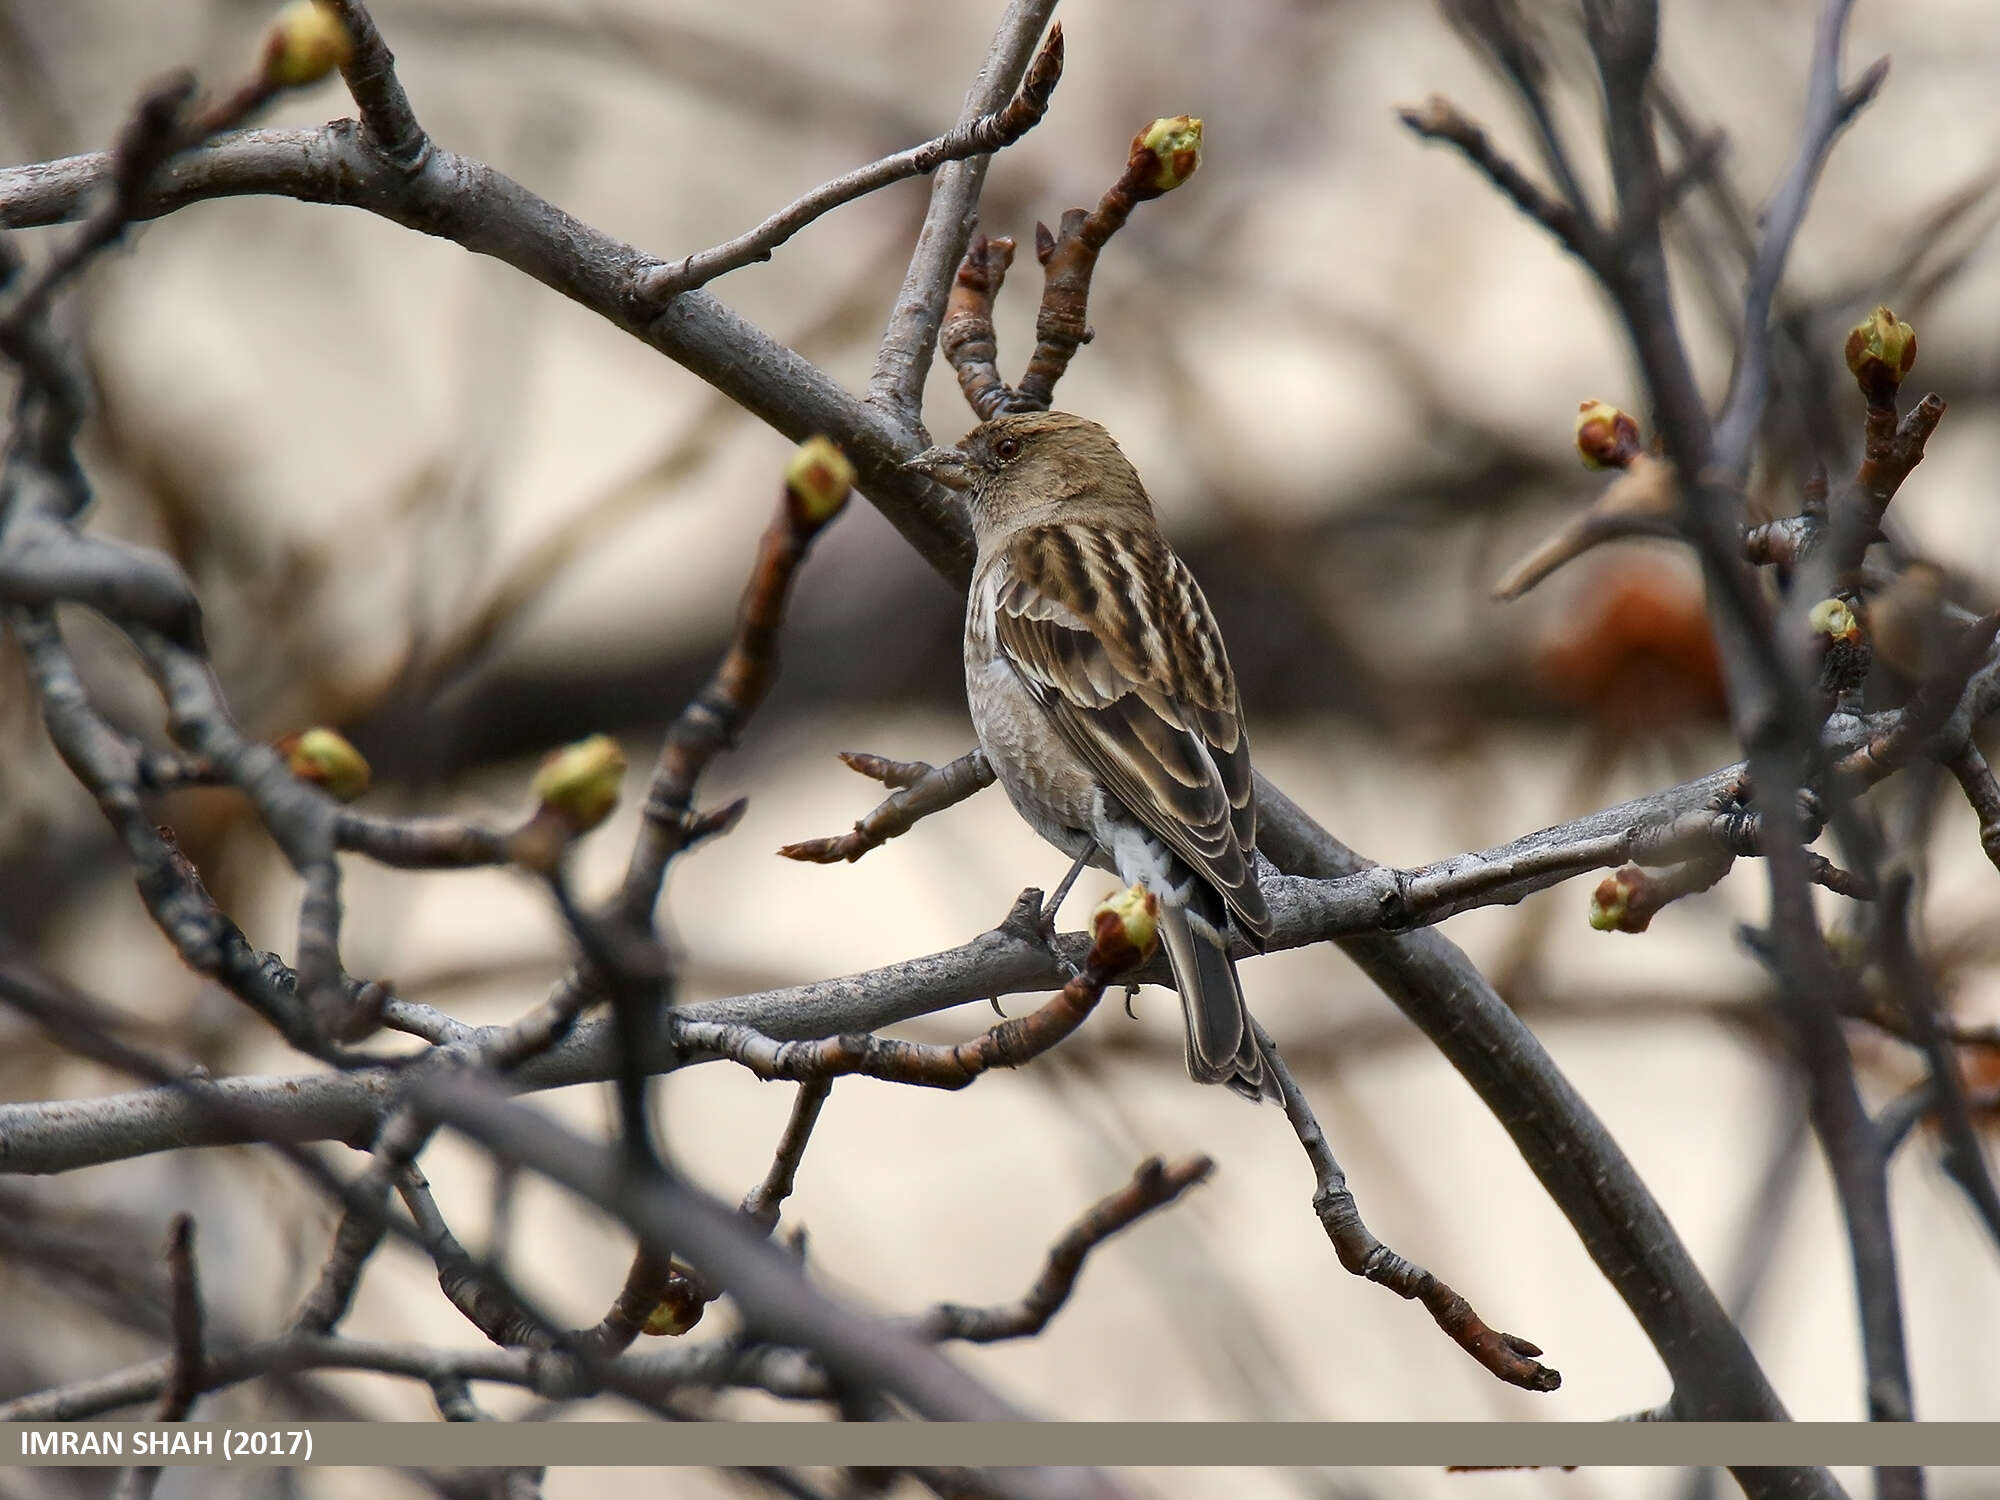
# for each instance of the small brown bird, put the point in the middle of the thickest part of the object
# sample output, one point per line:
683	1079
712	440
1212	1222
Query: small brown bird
1104	701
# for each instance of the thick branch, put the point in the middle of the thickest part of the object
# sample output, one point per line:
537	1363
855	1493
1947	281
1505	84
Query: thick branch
765	1283
1349	906
466	201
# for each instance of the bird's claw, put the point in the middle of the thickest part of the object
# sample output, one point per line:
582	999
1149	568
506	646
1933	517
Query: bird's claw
1045	928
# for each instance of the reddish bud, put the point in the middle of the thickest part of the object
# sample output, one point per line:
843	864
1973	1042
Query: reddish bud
1125	928
1606	437
1617	905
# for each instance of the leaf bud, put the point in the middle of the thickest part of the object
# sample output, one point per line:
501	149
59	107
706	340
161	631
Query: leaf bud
306	42
1125	928
579	783
1174	143
326	759
1619	903
1880	352
680	1309
817	480
1833	619
1606	438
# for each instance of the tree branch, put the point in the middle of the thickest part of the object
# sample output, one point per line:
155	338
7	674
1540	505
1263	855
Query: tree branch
981	137
904	358
385	110
920	790
1505	1355
1153	1186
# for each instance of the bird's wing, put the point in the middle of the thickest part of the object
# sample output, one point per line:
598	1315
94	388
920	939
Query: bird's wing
1111	634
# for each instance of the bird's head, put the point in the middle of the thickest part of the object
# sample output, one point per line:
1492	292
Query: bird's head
1031	468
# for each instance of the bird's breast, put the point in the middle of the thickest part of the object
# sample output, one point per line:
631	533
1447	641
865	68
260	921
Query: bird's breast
1047	782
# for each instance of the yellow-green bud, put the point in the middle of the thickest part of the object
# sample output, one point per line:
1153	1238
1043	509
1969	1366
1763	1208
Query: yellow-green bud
1128	919
1174	143
306	42
1607	905
818	479
328	761
1624	901
1832	618
1606	438
1880	352
579	783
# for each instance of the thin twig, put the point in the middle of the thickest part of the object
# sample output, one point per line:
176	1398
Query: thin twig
1069	259
1438	119
981	137
1506	1355
904	356
920	790
1153	1186
1983	792
966	337
186	1365
1916	990
761	1204
713	718
667	1296
1828	110
483	1303
1011	1044
391	125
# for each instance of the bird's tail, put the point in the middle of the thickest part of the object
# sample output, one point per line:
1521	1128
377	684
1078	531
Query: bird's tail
1221	1047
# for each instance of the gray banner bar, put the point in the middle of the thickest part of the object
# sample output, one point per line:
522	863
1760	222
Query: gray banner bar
1107	1444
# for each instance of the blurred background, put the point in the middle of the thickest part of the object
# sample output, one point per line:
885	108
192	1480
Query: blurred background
430	502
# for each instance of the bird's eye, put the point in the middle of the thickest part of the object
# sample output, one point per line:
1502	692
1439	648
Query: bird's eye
1007	448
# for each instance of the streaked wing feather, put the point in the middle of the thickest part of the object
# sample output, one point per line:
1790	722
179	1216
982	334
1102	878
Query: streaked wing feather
1149	706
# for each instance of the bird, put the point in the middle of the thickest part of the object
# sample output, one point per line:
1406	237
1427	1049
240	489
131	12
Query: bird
1104	702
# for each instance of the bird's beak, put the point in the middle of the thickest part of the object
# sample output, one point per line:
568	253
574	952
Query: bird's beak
947	466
